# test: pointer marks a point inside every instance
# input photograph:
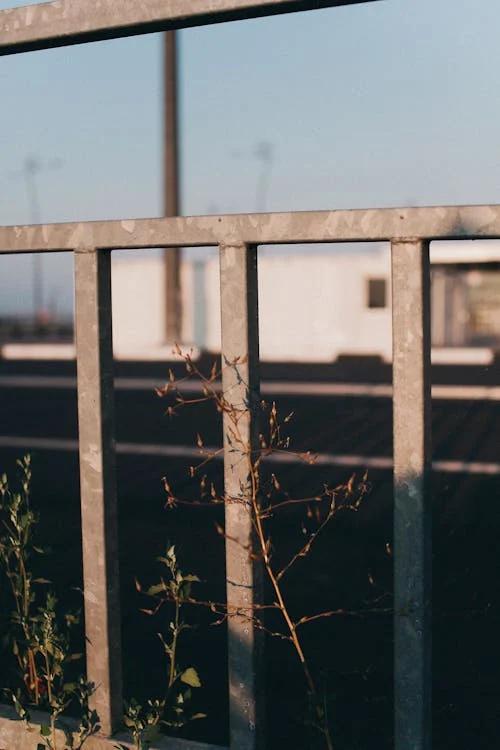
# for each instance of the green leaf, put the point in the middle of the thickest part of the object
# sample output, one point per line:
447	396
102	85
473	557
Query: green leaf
190	677
20	710
156	589
45	730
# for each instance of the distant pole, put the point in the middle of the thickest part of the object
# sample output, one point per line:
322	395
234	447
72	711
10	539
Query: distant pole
264	152
31	167
171	187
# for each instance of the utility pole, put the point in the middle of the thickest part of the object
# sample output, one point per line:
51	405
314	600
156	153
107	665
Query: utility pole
30	170
32	167
172	255
264	152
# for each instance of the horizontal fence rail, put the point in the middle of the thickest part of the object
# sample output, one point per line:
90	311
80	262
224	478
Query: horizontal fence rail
67	22
358	225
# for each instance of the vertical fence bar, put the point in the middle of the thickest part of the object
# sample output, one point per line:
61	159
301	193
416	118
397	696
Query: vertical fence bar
412	507
98	481
240	381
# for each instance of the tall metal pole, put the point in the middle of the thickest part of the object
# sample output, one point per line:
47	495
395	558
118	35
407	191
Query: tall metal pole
171	188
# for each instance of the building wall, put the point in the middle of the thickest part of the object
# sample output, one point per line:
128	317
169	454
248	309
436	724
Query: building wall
312	305
139	309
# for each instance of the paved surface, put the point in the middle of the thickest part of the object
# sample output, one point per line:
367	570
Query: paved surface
336	415
343	413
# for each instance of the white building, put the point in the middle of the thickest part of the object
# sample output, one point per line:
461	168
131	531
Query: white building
312	305
316	304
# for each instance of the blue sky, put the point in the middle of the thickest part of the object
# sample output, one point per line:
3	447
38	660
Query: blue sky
386	103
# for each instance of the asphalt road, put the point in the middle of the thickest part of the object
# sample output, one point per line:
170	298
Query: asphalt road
342	412
339	415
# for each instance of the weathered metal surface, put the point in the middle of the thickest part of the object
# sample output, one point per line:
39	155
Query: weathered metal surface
98	482
412	510
66	22
240	381
14	736
447	222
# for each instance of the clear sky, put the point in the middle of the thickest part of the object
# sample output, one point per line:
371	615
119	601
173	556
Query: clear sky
385	103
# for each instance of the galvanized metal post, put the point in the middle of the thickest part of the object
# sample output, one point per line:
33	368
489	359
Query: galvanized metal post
240	381
98	481
412	507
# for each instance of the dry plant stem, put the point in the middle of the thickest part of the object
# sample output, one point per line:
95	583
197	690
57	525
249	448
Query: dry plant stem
261	536
251	496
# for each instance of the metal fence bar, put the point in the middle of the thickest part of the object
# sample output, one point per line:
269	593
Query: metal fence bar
66	22
360	225
240	381
412	507
98	482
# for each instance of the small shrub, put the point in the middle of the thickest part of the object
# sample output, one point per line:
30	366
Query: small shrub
173	710
38	633
37	639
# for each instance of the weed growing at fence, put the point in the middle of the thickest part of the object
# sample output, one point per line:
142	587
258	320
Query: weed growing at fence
37	639
263	499
38	633
174	709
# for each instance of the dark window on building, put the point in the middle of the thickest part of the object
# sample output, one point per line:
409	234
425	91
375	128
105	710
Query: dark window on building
377	293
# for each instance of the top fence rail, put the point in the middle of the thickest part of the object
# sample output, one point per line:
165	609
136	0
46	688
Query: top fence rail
355	225
67	22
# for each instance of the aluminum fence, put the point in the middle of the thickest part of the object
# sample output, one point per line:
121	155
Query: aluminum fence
408	229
